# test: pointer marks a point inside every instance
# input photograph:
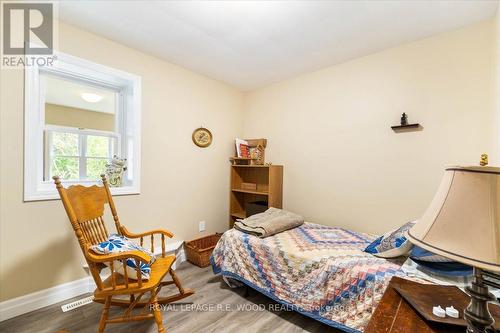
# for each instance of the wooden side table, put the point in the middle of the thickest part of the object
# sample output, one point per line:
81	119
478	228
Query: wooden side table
395	315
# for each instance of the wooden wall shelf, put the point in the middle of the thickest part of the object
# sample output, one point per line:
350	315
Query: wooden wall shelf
406	127
269	187
250	166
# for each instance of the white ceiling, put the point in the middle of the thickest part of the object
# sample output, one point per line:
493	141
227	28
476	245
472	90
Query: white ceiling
249	44
68	93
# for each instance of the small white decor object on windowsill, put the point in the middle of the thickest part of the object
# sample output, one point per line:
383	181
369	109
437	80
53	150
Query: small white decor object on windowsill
115	170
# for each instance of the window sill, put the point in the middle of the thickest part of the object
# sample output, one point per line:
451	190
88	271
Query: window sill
45	195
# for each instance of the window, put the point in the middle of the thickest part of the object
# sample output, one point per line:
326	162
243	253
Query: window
78	116
78	154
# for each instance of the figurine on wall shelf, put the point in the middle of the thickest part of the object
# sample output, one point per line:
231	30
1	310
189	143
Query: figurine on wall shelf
404	119
484	160
115	170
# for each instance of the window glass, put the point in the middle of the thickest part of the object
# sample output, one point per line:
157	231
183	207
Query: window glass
79	105
98	146
79	155
64	144
96	167
65	167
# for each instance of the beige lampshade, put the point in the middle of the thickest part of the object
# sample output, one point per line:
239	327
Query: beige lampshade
463	221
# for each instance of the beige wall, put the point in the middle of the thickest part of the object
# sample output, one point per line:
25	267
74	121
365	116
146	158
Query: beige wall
181	184
331	128
495	150
74	117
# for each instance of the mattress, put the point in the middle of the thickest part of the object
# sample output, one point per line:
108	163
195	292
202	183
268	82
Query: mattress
317	270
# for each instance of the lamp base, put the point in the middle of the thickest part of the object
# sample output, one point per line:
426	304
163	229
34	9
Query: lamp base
477	315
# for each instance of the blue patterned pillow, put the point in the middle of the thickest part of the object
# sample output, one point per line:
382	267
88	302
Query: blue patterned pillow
117	244
449	269
438	264
131	269
420	254
392	244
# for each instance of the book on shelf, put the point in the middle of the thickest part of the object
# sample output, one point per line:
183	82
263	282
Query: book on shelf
245	151
240	142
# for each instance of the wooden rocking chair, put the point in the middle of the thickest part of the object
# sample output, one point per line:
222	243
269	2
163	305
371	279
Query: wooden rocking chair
85	209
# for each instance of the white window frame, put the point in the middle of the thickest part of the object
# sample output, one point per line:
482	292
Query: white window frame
128	124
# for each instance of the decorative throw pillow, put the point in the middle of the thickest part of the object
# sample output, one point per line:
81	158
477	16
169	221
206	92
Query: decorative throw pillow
438	264
392	244
131	269
420	254
446	268
117	244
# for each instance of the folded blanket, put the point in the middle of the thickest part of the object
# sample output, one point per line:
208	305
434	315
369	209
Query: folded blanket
271	222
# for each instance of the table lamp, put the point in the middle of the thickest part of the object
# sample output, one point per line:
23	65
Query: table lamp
463	224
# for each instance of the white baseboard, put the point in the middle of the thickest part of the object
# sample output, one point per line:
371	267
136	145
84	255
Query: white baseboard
39	299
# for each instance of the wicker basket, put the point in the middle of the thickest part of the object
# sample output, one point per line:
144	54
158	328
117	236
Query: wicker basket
198	251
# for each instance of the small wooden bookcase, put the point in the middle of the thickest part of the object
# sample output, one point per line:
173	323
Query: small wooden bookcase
269	187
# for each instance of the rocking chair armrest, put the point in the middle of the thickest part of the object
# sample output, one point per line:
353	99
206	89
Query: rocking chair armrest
129	234
102	258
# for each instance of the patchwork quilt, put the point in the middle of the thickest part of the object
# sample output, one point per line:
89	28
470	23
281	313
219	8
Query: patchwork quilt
318	270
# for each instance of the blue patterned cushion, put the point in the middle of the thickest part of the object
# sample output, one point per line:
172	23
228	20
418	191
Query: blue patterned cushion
117	244
438	264
132	271
392	244
420	254
445	268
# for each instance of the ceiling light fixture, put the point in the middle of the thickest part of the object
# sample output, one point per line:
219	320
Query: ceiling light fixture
91	97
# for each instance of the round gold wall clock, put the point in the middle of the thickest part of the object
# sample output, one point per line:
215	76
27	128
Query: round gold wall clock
202	137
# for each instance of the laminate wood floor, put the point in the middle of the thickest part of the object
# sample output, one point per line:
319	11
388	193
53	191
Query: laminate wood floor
214	308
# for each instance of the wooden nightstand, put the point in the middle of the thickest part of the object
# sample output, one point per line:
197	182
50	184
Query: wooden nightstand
395	315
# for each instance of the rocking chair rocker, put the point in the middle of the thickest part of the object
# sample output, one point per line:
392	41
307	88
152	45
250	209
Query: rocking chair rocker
85	208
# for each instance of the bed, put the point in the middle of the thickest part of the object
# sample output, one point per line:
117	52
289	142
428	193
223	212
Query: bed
319	271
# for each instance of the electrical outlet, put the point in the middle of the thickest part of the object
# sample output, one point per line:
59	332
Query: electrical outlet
201	226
